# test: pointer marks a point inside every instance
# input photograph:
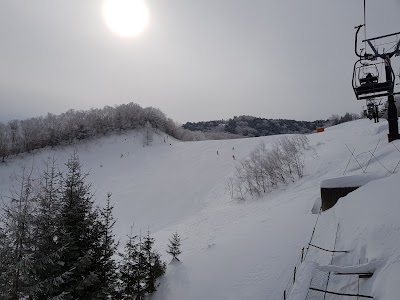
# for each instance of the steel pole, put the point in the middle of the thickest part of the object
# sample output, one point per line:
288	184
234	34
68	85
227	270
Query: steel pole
392	110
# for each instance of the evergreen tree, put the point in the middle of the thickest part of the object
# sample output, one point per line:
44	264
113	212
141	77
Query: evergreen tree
47	254
53	243
5	263
80	235
174	246
17	239
140	267
132	271
155	268
107	266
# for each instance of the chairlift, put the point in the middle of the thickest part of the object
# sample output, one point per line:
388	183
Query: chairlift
370	110
369	86
368	83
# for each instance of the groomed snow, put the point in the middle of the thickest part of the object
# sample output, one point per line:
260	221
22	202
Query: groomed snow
247	250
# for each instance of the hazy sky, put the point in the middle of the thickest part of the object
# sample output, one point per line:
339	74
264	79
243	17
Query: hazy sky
197	60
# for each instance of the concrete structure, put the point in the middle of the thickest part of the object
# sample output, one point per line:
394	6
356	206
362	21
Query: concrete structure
334	188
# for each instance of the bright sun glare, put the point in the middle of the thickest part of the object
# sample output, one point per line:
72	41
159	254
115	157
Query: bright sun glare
127	18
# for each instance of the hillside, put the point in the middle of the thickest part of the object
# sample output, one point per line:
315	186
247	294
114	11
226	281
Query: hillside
253	127
245	250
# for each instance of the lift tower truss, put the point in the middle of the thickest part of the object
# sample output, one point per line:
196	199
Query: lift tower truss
368	86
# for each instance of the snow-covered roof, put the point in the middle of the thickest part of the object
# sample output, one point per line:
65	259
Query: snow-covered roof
349	181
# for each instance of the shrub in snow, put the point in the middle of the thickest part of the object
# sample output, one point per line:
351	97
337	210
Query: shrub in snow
267	168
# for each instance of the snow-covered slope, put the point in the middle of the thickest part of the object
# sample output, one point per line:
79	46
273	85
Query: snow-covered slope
246	250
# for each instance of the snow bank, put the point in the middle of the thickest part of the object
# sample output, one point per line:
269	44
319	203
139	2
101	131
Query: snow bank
373	235
369	267
303	280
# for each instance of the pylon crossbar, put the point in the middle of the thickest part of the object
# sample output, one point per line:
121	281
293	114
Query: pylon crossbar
381	37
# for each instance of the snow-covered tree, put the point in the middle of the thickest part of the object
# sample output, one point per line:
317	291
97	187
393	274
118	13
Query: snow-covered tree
156	117
4	142
80	233
155	268
6	261
132	271
17	245
54	244
174	246
148	134
107	265
46	259
14	136
140	267
267	168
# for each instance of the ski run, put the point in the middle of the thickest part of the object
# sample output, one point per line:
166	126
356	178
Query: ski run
248	249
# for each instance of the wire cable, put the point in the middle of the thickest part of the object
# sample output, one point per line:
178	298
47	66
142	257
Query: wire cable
365	28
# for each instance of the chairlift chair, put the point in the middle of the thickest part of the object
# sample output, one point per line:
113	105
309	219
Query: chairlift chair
366	81
370	110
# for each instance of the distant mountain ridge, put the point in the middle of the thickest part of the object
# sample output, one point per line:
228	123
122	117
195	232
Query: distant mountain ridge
253	126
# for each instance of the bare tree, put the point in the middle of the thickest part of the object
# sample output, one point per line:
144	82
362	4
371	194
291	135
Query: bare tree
148	134
4	142
267	168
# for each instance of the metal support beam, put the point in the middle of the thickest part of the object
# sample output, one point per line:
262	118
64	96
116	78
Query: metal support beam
396	51
365	274
382	36
392	110
373	48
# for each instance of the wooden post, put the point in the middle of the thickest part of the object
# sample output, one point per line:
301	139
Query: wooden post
294	275
302	254
284	295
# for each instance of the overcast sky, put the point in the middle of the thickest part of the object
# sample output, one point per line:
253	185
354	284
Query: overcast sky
196	60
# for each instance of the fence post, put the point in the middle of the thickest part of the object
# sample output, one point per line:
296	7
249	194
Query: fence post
302	254
284	295
294	275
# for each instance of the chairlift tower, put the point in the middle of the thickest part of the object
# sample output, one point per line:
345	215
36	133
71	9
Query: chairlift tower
368	84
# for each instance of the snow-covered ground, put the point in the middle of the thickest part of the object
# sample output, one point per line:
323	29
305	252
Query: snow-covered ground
247	250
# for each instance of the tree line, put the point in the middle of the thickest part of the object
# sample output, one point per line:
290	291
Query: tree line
18	136
250	126
347	117
55	243
253	127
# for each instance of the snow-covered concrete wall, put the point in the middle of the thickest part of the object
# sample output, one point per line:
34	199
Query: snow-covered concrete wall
334	188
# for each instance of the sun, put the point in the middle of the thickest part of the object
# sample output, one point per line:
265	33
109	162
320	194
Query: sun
126	18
